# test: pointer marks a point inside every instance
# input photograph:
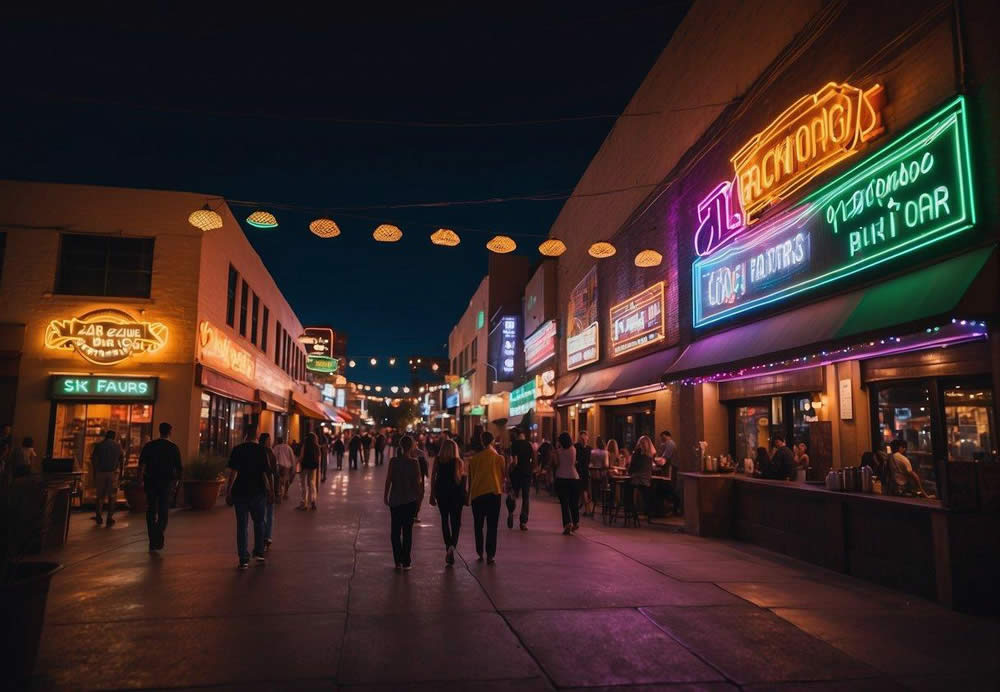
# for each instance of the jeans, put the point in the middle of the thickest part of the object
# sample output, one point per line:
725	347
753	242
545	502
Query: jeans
353	460
366	453
157	505
254	506
106	483
340	460
379	456
486	508
568	490
451	520
268	520
307	480
322	465
521	485
402	532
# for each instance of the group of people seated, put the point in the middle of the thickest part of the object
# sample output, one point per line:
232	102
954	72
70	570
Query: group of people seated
895	471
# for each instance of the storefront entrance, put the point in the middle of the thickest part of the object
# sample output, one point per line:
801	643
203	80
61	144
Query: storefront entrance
224	423
755	423
626	424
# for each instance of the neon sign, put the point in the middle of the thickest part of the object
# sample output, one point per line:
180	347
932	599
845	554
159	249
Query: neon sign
318	342
915	191
522	399
540	346
814	133
103	388
508	345
638	321
216	348
105	337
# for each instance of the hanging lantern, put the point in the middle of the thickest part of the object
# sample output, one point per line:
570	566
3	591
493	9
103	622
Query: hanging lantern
406	390
387	233
553	247
262	219
446	237
501	244
394	389
601	250
648	258
352	363
205	219
378	388
325	228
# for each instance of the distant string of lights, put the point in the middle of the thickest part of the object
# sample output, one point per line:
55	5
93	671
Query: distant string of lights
392	360
396	389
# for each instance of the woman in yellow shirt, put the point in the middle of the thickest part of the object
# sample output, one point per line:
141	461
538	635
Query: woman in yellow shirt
486	471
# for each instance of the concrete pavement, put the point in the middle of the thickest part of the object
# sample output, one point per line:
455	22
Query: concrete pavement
647	607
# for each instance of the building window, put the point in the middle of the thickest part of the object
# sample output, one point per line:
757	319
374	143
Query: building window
98	265
263	330
222	423
277	344
3	249
243	308
254	309
475	350
454	366
231	296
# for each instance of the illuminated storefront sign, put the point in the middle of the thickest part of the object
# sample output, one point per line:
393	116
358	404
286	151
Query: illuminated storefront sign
318	343
103	388
581	323
638	321
341	397
508	345
522	399
477	411
451	400
215	348
915	191
540	346
814	133
105	337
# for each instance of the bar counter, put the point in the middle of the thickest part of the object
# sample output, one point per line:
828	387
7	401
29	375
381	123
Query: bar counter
912	544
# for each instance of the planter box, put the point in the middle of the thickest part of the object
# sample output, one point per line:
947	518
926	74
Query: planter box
202	495
136	498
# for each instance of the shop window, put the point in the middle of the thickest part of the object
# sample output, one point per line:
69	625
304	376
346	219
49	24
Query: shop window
3	251
475	350
254	323
244	295
222	423
905	412
265	319
968	416
231	296
752	428
98	265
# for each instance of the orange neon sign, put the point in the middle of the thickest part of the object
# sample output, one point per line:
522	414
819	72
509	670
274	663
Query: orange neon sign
816	132
105	337
217	349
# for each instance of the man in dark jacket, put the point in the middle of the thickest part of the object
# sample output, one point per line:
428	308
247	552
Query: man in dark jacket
160	468
247	490
379	449
354	449
782	466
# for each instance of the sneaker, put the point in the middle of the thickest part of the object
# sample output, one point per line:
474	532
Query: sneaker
491	561
399	567
407	568
576	527
260	559
267	544
111	522
510	520
480	558
524	527
99	519
567	530
243	565
449	557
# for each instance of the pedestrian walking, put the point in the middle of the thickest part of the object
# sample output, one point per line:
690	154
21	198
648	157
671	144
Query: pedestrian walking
309	464
404	490
522	470
567	482
107	460
449	488
338	450
324	448
286	466
354	446
583	451
247	489
273	497
160	469
379	449
486	471
366	444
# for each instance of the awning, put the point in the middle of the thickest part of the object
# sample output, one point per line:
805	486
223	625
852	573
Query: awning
273	402
332	413
909	301
514	421
634	377
307	407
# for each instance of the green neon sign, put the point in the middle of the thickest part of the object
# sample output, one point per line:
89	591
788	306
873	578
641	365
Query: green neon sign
477	411
914	192
96	388
522	399
480	319
326	364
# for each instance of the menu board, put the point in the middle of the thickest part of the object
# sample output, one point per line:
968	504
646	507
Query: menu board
581	323
638	321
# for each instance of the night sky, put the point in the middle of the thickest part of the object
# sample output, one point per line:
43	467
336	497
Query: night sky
256	108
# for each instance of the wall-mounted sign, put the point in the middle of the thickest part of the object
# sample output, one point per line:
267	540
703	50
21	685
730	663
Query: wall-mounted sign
508	345
341	397
318	343
216	349
638	321
581	323
846	400
106	337
522	399
477	411
540	346
915	191
94	388
451	400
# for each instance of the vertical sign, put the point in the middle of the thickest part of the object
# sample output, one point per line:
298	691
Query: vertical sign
581	323
508	345
846	400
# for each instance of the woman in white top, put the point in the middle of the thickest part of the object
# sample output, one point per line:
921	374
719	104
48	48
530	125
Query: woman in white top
567	483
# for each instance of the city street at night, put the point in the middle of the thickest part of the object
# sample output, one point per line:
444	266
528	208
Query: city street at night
608	606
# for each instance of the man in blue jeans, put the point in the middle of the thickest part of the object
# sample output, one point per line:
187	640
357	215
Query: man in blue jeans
160	469
247	489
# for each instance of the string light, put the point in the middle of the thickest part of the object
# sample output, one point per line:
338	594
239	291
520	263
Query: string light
352	364
392	361
446	237
373	361
648	258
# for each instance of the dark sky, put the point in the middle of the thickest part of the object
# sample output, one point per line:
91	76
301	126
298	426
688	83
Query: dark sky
253	108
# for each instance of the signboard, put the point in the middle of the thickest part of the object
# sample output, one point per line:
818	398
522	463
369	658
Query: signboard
581	323
98	388
638	321
477	411
341	397
216	349
522	399
915	191
846	400
105	337
451	400
318	343
508	345
540	346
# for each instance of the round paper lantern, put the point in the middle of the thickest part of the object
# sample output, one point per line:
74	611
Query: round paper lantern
501	244
325	228
446	237
601	250
553	247
262	219
387	233
648	258
205	219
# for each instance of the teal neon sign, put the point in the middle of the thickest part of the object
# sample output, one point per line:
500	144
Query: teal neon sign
97	388
914	192
522	399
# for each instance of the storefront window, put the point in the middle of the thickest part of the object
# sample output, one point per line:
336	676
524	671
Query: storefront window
752	428
968	414
905	413
803	413
223	422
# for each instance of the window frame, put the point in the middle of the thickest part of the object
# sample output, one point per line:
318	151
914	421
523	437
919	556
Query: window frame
265	319
244	291
148	248
233	284
254	317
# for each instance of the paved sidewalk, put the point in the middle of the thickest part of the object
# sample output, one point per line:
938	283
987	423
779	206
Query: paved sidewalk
607	607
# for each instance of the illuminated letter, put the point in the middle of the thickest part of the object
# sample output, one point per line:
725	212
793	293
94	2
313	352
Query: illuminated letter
717	221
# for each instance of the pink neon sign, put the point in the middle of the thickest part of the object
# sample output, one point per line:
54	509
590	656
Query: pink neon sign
718	222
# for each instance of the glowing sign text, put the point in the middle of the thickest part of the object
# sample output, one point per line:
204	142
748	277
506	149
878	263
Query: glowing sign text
218	350
105	337
638	321
95	388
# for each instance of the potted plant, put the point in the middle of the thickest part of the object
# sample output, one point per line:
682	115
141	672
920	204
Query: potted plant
25	509
203	481
135	495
